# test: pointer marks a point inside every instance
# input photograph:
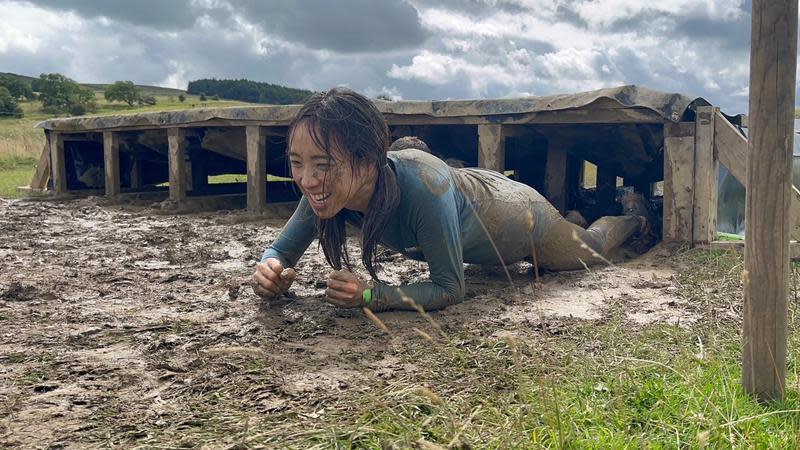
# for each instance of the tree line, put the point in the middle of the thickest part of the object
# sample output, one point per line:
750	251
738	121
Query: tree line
248	91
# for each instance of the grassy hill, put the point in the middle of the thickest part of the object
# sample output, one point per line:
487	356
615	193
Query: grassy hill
101	87
143	88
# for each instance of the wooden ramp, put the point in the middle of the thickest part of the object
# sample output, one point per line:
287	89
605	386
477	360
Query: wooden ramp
730	148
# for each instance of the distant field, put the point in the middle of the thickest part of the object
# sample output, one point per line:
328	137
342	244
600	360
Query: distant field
21	143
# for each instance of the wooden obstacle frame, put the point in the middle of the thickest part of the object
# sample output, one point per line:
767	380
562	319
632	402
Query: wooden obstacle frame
546	144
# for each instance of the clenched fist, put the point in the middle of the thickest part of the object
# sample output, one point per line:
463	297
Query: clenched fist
345	290
271	279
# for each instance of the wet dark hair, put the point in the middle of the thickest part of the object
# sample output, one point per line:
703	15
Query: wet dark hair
343	119
409	142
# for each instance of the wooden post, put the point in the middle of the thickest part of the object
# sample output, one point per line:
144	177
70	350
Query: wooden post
136	172
706	173
491	147
678	181
111	162
177	164
773	68
562	176
555	179
58	164
256	169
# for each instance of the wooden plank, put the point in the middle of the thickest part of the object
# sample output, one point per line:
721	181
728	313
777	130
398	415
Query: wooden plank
58	168
491	147
177	164
678	181
730	146
111	162
42	174
256	169
562	175
706	173
605	115
136	172
773	73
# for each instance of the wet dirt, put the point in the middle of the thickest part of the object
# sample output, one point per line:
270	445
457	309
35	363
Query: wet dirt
115	321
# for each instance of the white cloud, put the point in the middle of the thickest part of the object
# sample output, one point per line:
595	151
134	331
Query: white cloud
28	28
481	48
601	13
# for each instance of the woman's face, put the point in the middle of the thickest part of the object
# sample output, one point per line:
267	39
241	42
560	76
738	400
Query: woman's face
327	181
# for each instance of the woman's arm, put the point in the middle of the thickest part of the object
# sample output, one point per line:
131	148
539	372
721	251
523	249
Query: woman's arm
438	230
295	237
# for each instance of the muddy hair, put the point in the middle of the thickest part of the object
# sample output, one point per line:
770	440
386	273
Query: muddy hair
348	121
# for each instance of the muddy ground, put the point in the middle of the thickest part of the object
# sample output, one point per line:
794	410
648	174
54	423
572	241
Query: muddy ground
123	327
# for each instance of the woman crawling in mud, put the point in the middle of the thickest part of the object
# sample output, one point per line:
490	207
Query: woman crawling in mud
414	203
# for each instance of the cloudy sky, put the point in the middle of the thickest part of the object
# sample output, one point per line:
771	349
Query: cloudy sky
409	49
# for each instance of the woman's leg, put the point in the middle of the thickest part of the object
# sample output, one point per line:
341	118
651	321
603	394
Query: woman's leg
566	246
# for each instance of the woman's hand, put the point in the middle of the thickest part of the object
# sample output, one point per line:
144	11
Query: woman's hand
345	290
271	279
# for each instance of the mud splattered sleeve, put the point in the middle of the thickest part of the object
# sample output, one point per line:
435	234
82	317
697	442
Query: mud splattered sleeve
295	237
429	210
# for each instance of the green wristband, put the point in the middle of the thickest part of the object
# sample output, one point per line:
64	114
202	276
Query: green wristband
367	295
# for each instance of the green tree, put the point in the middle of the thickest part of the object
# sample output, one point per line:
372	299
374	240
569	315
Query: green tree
122	91
181	98
17	87
8	104
203	97
60	94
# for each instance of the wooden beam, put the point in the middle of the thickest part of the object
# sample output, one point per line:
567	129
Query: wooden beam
39	180
58	167
177	164
562	176
256	169
706	173
773	73
730	146
491	147
111	162
678	181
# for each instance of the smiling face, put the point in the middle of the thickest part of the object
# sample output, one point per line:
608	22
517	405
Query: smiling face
327	179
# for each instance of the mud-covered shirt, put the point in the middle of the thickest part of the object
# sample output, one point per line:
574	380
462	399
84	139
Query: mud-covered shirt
446	217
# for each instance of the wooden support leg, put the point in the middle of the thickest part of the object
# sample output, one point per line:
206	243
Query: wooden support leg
562	176
678	181
136	172
58	163
706	173
177	164
773	64
111	162
491	147
256	169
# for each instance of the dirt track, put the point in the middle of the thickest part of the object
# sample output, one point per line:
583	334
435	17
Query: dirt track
121	327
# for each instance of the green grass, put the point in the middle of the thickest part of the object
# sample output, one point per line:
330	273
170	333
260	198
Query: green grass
241	178
600	384
14	172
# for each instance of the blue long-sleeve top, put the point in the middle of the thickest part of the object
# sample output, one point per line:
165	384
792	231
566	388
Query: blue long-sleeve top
446	217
